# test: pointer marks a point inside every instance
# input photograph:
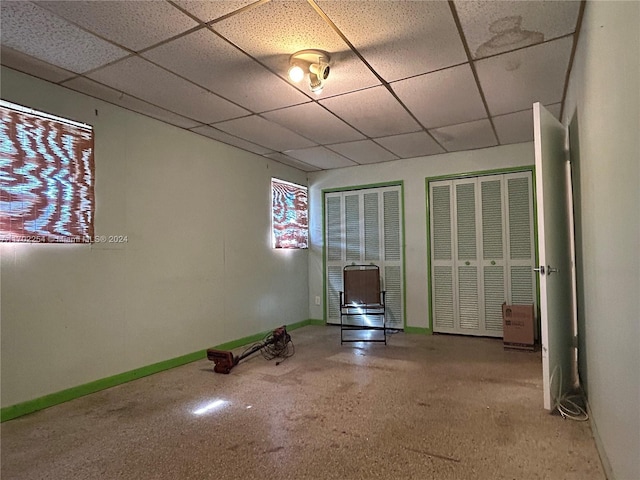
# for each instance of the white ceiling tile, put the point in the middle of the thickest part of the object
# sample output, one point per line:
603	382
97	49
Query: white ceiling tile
518	127
230	139
320	157
467	136
314	122
273	31
410	145
492	27
202	82
427	39
364	110
363	151
514	81
207	60
446	97
208	10
94	89
144	80
514	127
30	29
265	133
292	162
158	113
97	90
133	24
32	66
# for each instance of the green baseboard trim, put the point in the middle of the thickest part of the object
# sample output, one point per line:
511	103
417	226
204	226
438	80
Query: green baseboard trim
293	326
315	321
30	406
418	330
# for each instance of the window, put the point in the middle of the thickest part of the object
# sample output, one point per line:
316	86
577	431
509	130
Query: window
289	215
47	175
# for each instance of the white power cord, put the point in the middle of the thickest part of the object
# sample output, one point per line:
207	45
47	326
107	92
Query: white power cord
565	404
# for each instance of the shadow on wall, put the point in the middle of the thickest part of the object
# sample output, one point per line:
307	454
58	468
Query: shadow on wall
574	148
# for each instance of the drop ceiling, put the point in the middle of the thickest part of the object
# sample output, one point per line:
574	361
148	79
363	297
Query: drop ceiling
408	78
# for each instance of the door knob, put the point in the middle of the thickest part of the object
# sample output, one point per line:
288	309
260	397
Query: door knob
539	269
551	270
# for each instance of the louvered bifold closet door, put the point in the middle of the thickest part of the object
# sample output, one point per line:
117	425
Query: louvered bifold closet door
392	258
493	257
334	252
467	257
353	239
442	286
521	251
364	227
371	242
482	251
371	228
352	227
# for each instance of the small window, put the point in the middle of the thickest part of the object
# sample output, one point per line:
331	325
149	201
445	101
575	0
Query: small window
290	224
47	173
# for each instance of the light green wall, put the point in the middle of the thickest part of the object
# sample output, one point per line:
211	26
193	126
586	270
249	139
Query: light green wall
412	173
198	269
603	114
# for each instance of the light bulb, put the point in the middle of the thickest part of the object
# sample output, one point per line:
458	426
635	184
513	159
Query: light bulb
296	73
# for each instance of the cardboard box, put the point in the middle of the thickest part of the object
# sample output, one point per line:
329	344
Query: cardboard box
518	327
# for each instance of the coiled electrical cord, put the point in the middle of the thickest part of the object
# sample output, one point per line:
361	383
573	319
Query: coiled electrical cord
282	347
565	403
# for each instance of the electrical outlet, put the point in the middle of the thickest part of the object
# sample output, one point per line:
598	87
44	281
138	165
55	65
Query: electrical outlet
317	300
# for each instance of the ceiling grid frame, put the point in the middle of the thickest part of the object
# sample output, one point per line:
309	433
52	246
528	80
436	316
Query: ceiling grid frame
486	20
384	83
456	19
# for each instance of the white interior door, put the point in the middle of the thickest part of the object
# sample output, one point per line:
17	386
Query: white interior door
554	209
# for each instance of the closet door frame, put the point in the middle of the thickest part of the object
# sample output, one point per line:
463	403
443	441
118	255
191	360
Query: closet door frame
325	261
483	173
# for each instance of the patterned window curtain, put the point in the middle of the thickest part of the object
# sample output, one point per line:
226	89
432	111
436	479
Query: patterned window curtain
47	177
290	216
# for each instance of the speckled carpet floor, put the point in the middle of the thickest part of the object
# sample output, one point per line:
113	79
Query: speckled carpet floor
422	407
